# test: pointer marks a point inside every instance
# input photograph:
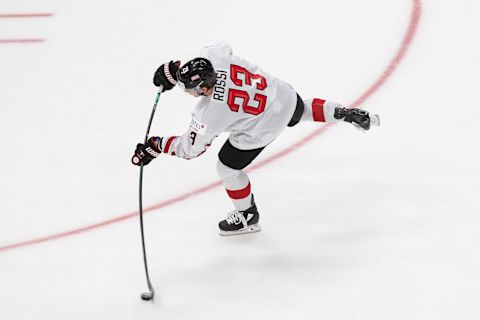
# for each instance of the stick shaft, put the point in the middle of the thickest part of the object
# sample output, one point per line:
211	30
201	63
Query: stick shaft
153	113
140	196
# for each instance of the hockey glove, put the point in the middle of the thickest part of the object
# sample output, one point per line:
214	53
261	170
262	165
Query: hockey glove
166	75
146	153
358	117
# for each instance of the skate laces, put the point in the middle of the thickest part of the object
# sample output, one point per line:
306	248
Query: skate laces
236	217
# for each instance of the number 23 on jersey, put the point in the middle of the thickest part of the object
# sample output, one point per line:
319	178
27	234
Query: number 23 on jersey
241	77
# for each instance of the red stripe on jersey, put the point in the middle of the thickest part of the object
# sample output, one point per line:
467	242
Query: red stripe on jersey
240	194
167	146
317	109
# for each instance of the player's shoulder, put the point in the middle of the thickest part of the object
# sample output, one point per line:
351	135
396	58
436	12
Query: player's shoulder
211	114
219	49
202	110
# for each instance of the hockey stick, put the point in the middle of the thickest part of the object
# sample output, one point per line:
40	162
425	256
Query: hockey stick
151	293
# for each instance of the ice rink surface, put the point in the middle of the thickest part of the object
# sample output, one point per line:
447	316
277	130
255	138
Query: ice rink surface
382	225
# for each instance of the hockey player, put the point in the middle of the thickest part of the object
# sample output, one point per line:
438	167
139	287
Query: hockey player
237	96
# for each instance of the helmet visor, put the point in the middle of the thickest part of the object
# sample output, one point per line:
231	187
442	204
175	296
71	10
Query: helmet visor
187	81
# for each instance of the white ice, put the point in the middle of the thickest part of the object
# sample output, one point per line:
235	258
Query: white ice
382	225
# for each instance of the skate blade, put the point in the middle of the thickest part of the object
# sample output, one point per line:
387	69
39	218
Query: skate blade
374	120
250	229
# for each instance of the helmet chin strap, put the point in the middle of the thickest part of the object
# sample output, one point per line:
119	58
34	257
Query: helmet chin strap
198	89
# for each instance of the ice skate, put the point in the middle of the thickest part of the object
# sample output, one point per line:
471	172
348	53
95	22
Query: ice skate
240	222
361	119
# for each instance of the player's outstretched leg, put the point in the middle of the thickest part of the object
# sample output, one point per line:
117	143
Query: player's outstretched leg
320	110
241	222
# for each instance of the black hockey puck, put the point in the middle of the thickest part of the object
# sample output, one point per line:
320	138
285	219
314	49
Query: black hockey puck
147	296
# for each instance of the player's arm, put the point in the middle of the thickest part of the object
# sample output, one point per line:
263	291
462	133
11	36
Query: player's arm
188	146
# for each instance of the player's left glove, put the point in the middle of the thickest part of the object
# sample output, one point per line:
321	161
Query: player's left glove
146	153
358	117
166	75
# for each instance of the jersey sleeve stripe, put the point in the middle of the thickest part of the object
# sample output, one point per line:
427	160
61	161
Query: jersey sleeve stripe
168	144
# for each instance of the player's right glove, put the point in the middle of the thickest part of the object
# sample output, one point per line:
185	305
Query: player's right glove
146	153
166	75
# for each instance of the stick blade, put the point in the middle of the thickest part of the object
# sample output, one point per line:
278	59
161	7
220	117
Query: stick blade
147	296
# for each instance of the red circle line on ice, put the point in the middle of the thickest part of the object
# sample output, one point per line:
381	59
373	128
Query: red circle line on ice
407	40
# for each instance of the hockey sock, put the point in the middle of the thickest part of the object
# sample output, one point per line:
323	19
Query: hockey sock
239	190
319	110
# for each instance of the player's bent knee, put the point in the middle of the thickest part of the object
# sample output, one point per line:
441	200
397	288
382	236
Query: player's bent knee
235	158
225	172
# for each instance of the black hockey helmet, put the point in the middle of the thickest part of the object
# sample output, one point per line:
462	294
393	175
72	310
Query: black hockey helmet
195	74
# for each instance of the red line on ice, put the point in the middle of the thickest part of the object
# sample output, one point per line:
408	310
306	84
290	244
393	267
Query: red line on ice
13	41
25	15
407	40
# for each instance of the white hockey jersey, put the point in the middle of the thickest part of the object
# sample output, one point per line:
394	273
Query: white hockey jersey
247	102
